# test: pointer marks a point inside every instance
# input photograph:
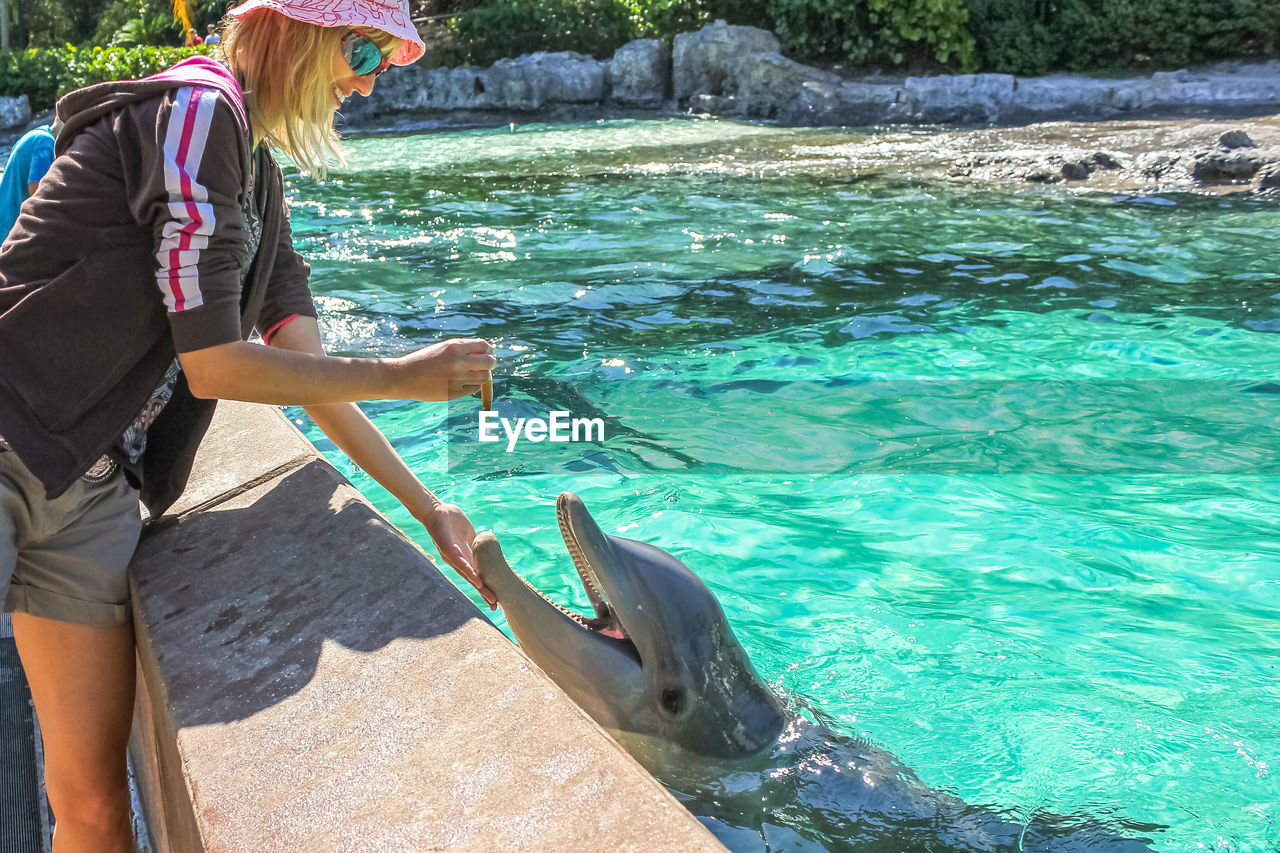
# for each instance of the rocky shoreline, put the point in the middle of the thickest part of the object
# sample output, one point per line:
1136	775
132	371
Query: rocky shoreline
1163	131
738	72
1208	156
1214	130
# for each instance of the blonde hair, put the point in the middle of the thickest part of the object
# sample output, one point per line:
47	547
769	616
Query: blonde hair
286	67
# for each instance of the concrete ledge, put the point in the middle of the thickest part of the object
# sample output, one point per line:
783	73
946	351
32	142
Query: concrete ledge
309	681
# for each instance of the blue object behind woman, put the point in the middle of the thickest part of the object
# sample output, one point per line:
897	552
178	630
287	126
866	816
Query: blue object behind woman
31	157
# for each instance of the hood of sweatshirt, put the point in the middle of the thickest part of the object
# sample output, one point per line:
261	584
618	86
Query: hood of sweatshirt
78	109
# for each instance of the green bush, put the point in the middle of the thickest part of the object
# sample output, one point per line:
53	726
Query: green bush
820	29
1013	36
1035	36
938	29
147	30
864	31
34	73
666	18
876	32
1125	33
507	28
1026	37
46	75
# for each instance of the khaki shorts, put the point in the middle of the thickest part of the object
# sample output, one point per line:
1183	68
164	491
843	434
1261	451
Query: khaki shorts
66	559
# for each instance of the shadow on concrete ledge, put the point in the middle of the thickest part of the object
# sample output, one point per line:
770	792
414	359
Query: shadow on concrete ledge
246	593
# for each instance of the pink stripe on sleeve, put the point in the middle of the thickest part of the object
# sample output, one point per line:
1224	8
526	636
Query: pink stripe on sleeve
186	234
266	336
193	213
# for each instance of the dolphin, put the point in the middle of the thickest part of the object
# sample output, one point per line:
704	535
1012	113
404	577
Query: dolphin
658	666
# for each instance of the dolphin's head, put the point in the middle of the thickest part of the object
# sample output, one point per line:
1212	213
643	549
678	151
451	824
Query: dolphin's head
657	659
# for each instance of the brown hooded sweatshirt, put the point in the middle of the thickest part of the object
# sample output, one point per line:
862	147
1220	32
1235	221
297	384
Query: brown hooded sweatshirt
134	248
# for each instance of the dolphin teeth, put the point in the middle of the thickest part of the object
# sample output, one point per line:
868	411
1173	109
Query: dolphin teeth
604	622
589	582
576	617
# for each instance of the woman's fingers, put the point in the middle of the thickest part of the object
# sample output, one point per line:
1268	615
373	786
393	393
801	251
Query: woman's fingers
466	568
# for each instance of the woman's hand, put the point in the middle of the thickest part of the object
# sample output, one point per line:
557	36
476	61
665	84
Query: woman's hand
443	371
452	532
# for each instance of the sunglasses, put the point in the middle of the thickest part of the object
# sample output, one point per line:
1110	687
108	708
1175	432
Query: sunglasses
363	55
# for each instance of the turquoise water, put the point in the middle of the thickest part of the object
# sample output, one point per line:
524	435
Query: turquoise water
989	477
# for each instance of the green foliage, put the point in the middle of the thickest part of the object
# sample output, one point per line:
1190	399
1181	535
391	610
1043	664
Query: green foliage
33	72
149	30
1035	36
118	14
865	31
1166	32
666	18
876	32
937	28
506	28
1013	36
820	29
127	23
47	23
45	75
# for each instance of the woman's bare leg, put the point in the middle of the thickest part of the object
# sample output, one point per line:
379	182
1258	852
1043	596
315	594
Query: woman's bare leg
82	681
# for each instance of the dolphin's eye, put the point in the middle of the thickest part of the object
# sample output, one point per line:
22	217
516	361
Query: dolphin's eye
673	701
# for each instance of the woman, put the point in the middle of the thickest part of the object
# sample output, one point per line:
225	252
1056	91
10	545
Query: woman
155	245
193	38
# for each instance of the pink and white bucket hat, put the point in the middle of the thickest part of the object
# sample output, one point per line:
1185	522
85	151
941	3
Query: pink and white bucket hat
390	16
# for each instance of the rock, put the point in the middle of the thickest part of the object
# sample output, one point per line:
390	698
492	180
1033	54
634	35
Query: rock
1269	178
416	89
1081	169
641	73
1041	177
528	82
1236	139
1076	170
823	101
1239	164
706	104
455	88
1101	160
1251	86
818	104
959	98
1158	164
864	103
1129	98
1069	97
700	61
14	111
1056	96
767	85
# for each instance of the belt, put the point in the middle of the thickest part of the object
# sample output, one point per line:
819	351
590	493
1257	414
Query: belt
101	471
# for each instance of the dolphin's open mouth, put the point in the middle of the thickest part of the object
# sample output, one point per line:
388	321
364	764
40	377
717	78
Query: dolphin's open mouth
606	620
603	628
